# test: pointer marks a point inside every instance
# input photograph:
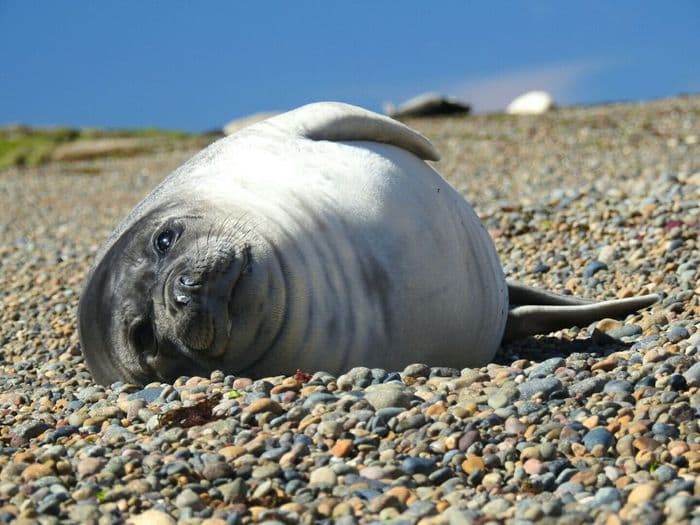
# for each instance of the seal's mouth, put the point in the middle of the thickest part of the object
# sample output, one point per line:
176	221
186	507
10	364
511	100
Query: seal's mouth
165	358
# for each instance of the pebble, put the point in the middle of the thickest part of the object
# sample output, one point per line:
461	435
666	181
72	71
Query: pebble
264	404
692	375
678	333
618	385
418	465
473	464
503	397
189	499
217	470
514	426
35	471
594	423
89	466
323	476
679	507
588	386
664	474
388	395
151	517
607	497
547	367
148	395
594	267
642	493
533	466
545	386
628	330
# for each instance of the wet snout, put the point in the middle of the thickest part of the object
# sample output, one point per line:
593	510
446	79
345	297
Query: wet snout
198	306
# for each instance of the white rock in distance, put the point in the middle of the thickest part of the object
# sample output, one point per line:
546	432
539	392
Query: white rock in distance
244	122
531	103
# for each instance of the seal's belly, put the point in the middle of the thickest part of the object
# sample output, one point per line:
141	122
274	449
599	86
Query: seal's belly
388	265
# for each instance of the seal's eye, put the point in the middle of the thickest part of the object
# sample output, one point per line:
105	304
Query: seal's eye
164	240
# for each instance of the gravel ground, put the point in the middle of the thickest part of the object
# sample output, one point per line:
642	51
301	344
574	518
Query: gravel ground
595	424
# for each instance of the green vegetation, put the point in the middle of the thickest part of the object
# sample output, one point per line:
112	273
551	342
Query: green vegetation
24	146
97	133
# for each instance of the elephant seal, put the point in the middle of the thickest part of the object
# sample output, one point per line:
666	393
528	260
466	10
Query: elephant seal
318	239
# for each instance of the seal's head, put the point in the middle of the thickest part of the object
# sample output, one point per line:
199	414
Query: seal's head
160	302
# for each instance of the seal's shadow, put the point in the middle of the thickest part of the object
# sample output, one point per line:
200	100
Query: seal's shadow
542	348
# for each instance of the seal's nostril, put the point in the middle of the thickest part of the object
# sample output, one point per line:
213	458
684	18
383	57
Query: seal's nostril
187	280
184	286
182	299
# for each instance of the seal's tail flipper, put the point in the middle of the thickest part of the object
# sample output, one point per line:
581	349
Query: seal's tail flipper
535	311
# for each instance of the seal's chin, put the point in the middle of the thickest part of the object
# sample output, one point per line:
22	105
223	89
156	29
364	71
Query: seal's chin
169	365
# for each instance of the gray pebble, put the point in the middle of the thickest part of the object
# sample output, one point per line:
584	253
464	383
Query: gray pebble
664	474
594	267
607	497
570	487
546	368
546	386
598	436
234	490
664	429
319	398
677	333
680	506
418	465
421	509
410	421
503	397
388	395
618	385
217	470
267	470
358	377
189	499
588	386
692	375
30	428
628	330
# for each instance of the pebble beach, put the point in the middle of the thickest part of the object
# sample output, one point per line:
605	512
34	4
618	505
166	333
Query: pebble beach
592	424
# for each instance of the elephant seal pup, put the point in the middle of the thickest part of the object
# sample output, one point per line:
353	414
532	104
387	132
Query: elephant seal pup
318	239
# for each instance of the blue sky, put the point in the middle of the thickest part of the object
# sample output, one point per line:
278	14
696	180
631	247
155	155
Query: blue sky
196	65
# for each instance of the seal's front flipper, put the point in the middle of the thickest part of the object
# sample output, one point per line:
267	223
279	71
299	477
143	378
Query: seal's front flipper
535	311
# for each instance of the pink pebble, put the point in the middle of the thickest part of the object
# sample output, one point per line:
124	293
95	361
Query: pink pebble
533	466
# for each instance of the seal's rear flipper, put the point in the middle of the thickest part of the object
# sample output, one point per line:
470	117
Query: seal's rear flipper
336	121
522	294
535	311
